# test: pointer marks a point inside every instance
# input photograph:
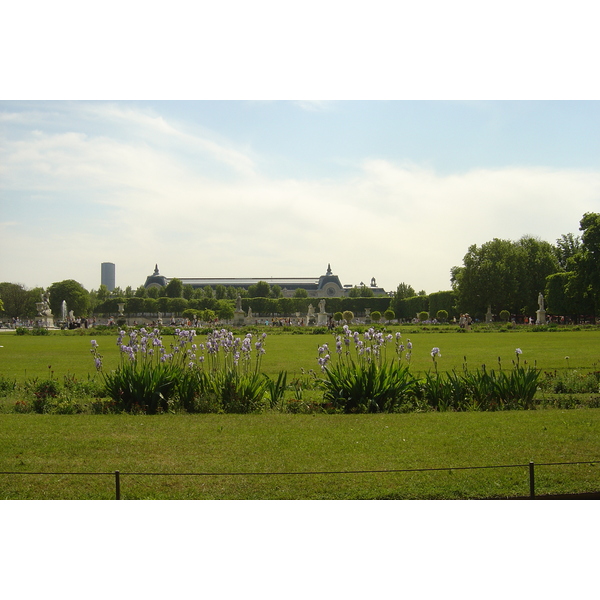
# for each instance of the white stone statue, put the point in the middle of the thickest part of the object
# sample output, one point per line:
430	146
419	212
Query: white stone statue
322	306
541	301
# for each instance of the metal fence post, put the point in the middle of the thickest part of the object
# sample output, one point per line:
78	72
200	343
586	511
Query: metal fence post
118	485
531	480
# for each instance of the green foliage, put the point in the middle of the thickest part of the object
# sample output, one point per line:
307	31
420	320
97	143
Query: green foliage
442	315
367	387
208	316
174	289
150	305
389	315
348	316
18	301
225	310
7	385
261	289
376	316
404	291
408	308
360	292
75	295
276	388
423	315
300	293
503	273
338	316
573	381
365	380
177	305
442	301
151	380
504	316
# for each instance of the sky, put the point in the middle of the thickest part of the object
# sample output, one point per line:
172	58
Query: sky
396	190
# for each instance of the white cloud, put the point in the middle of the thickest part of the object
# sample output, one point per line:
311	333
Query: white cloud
142	201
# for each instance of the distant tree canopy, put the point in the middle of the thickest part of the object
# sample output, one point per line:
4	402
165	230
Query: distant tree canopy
505	275
360	292
174	289
404	291
73	293
18	301
261	289
509	275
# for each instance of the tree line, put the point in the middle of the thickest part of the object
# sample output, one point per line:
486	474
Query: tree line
510	275
504	275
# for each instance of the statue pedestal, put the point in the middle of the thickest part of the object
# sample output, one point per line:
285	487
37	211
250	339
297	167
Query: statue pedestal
322	319
489	317
239	318
540	317
45	321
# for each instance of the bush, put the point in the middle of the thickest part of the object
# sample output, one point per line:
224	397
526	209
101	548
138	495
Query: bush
365	381
442	315
221	376
348	316
376	316
7	386
423	315
504	315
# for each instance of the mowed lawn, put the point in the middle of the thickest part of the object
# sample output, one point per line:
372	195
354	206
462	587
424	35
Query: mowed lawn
25	357
236	453
231	456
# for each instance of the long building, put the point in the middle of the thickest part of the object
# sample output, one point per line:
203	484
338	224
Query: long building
325	286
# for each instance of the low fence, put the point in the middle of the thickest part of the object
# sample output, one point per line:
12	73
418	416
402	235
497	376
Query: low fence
118	478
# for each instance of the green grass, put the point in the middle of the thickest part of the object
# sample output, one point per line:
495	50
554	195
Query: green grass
24	357
291	443
274	442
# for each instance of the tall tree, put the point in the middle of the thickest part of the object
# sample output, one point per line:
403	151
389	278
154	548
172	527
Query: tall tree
587	262
15	298
503	274
174	289
404	290
567	246
260	289
73	293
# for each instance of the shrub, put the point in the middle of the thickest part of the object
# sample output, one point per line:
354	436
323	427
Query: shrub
348	316
43	391
442	315
504	315
423	315
376	316
221	375
7	386
365	380
389	315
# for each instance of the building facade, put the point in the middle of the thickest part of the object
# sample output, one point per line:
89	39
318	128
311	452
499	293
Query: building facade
107	275
325	286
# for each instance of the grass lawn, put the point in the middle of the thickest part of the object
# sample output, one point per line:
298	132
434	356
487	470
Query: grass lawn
275	442
290	443
25	357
